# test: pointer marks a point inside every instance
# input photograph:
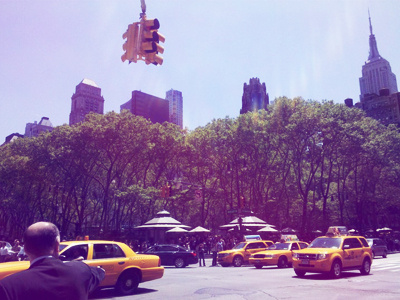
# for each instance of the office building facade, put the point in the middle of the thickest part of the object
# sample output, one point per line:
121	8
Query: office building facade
87	98
150	107
35	128
175	100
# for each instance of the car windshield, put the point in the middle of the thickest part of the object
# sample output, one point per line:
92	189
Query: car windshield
279	246
326	243
239	246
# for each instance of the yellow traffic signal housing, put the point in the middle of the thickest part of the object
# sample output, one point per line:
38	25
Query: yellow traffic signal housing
130	46
150	39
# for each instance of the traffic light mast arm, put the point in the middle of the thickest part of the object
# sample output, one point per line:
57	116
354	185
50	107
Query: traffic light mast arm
143	5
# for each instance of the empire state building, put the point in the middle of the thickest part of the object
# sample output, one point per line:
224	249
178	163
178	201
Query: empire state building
376	72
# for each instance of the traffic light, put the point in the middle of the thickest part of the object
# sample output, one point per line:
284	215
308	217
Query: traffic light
130	46
150	39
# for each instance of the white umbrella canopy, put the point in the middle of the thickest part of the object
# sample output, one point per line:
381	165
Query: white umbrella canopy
163	220
384	229
177	229
267	229
199	229
249	221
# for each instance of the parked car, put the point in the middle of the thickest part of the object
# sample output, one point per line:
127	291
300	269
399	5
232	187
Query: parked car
378	247
173	255
279	254
124	268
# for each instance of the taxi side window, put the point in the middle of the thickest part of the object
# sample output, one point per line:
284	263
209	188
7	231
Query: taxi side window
255	246
101	251
351	243
75	252
364	242
303	245
295	246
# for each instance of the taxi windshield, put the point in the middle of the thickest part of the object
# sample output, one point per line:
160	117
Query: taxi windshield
239	246
279	246
326	243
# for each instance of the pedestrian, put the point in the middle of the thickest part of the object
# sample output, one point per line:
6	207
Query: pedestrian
201	253
214	255
3	252
48	277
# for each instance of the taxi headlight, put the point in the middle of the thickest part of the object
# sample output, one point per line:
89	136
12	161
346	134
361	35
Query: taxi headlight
322	256
270	256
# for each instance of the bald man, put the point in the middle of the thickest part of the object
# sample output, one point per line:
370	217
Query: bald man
48	277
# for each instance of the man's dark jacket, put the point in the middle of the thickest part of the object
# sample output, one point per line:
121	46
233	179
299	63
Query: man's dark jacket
50	278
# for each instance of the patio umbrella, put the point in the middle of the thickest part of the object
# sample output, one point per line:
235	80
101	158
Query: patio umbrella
199	229
177	229
384	229
288	230
163	220
267	229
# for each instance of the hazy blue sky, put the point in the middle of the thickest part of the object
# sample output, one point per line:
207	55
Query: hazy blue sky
313	49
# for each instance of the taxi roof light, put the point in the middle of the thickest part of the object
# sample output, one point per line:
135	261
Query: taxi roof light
337	231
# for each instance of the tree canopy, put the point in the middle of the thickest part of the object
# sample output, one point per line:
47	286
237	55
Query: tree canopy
301	164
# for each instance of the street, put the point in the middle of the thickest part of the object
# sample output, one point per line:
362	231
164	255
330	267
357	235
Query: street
248	282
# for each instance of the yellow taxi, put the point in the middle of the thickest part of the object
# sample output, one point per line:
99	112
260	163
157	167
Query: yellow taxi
334	253
124	268
279	254
241	252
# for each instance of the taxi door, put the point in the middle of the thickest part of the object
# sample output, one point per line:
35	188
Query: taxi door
352	253
111	258
253	248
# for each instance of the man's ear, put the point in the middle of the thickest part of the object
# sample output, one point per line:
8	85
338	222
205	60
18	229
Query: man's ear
55	249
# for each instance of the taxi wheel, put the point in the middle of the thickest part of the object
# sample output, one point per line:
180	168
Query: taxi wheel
300	273
282	262
258	266
127	282
179	262
384	254
336	269
237	261
366	267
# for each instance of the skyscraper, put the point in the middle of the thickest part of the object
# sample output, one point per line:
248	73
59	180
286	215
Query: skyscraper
379	97
150	107
376	72
175	107
254	97
87	98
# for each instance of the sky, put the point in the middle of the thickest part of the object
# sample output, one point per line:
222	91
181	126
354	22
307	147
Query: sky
309	48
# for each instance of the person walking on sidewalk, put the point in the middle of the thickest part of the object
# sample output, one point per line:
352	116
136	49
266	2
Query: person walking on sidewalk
214	255
201	253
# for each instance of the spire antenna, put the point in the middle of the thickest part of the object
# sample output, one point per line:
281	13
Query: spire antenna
370	25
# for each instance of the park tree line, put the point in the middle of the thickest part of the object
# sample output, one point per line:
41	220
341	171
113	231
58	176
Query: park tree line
302	164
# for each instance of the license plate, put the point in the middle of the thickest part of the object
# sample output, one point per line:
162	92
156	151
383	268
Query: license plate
257	261
305	261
